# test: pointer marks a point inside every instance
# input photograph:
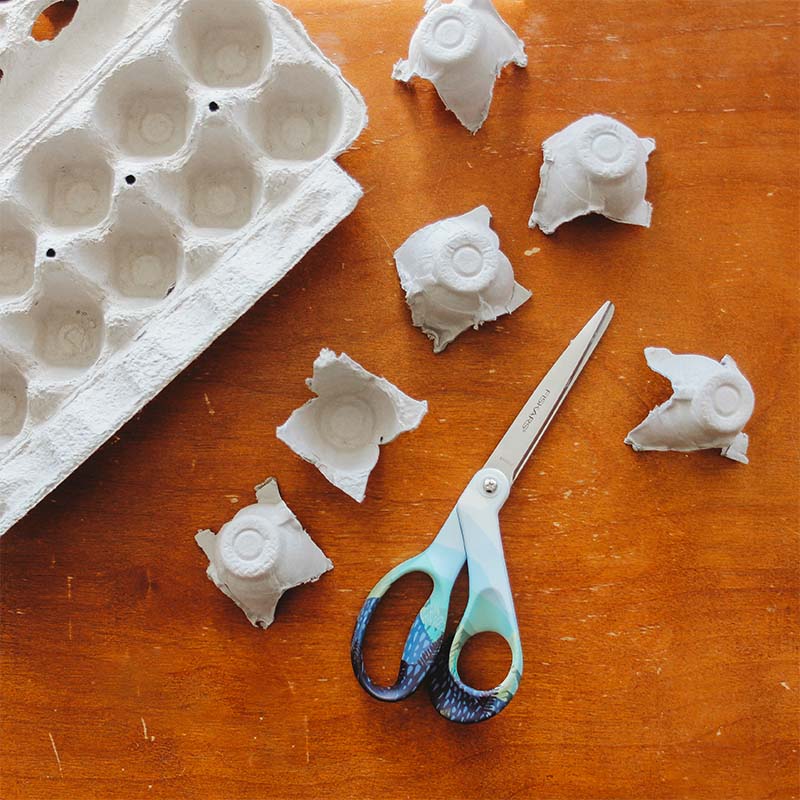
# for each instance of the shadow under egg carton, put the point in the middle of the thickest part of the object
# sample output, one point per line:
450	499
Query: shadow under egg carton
158	202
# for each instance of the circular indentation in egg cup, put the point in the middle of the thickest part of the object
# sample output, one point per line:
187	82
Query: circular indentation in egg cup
299	114
450	34
67	180
221	197
220	182
145	266
224	45
156	125
608	150
145	108
724	403
467	262
80	196
69	336
13	402
249	547
345	421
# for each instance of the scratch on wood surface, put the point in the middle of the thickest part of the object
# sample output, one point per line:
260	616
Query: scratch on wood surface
305	722
55	752
69	629
147	738
388	246
211	411
786	686
69	587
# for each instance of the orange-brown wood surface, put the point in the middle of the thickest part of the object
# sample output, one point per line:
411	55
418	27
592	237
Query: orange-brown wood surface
656	593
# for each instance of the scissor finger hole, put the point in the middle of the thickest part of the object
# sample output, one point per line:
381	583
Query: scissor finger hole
484	661
388	628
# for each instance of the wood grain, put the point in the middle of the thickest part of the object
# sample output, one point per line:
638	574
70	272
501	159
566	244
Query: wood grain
657	593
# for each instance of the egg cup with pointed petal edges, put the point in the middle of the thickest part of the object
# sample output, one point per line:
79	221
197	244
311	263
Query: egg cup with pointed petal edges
455	277
461	47
339	431
260	553
711	403
595	165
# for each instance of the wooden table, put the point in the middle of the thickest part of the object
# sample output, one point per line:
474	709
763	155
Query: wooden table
657	593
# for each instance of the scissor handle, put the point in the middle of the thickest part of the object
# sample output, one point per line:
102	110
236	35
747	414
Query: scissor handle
490	607
461	703
441	561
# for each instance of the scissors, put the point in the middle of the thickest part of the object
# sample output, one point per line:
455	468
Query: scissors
471	533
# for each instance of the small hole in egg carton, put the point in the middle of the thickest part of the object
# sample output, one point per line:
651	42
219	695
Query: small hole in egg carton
130	179
50	253
224	44
17	253
13	400
145	108
67	181
298	116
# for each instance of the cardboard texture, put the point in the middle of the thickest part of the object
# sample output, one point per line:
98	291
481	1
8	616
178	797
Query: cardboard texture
177	180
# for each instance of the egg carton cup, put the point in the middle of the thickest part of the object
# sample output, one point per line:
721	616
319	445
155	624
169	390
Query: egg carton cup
260	554
354	413
462	47
711	403
456	277
594	165
155	203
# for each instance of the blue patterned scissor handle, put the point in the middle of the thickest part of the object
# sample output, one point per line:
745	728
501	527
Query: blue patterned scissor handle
471	533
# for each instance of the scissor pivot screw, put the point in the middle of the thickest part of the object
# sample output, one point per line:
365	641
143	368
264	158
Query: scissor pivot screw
489	485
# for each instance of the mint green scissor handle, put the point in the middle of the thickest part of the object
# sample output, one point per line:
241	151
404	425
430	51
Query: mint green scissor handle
471	533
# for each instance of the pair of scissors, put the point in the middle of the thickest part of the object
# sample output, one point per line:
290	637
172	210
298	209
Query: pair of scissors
471	534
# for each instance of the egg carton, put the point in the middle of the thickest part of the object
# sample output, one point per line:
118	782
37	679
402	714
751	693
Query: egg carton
164	193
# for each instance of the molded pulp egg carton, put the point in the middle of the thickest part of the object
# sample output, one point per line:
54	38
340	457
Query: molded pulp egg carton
169	187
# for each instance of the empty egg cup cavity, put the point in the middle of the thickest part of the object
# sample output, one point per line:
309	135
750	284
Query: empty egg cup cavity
299	115
224	45
17	254
13	401
68	330
67	181
145	109
141	255
145	268
350	424
345	422
219	184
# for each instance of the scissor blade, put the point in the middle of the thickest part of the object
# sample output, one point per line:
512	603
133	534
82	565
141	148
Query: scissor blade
520	440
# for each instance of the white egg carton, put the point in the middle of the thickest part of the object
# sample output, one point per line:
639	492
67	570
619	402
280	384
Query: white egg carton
169	189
